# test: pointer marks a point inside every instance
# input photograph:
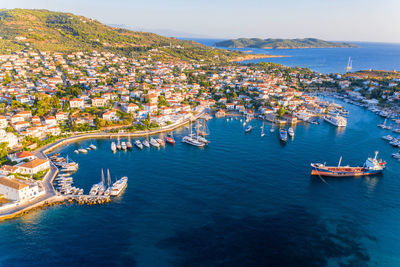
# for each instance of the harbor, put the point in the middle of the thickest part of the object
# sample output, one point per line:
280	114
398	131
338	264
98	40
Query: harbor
180	186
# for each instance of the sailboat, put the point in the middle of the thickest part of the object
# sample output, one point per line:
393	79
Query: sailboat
272	128
119	147
113	147
107	192
129	143
349	66
102	184
160	140
138	144
146	142
262	130
382	125
154	142
192	139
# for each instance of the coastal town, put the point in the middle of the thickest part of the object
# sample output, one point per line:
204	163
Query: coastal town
46	97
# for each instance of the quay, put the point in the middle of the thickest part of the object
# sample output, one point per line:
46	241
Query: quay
51	197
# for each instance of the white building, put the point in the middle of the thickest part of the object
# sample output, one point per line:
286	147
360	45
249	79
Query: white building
10	138
34	166
16	190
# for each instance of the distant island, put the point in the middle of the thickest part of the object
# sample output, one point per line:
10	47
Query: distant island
282	43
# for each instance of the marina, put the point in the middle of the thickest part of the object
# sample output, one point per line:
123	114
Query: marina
164	194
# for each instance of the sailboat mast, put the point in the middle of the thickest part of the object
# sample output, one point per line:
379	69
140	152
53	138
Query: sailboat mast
102	177
108	178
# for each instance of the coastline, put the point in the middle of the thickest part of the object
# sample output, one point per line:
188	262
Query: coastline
255	56
51	197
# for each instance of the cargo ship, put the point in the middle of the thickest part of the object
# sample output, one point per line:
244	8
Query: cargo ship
371	166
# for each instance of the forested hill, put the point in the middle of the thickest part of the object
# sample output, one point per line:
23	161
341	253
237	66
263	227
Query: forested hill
46	30
281	43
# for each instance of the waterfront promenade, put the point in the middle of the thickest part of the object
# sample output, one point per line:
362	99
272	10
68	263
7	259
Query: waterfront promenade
50	195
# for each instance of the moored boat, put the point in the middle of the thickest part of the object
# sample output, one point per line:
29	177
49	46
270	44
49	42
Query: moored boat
123	146
248	129
291	132
170	139
154	142
283	134
138	144
338	121
371	166
118	186
113	147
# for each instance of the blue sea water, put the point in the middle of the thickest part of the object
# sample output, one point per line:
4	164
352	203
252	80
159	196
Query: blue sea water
242	201
377	56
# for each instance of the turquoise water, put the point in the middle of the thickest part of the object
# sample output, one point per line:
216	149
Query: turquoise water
244	200
378	56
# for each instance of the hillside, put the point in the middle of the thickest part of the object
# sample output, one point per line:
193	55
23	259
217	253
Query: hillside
65	32
281	43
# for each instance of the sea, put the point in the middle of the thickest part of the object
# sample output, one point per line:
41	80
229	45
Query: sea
369	55
244	200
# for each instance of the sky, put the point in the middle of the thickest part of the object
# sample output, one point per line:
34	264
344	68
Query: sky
337	20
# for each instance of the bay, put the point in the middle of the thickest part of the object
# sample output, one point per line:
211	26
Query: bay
243	200
376	56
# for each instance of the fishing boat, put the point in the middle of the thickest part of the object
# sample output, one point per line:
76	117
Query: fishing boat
248	129
119	147
262	130
138	144
371	166
119	186
129	143
154	142
113	147
123	146
283	134
170	138
291	132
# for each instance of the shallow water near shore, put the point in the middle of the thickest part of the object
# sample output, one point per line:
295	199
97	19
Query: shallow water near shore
243	200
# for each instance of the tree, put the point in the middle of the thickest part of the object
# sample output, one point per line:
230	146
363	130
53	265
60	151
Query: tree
3	149
281	112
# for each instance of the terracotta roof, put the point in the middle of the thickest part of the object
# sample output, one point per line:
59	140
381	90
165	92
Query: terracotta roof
13	183
34	163
23	154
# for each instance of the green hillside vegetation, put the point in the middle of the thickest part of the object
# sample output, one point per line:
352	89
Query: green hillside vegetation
281	43
64	32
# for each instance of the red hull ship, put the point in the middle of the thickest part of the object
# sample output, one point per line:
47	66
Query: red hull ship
371	166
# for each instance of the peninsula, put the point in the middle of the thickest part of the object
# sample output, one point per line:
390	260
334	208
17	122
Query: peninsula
282	43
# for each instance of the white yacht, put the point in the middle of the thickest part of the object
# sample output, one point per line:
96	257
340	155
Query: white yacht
146	143
291	132
118	186
338	121
93	147
154	142
123	145
138	144
113	147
